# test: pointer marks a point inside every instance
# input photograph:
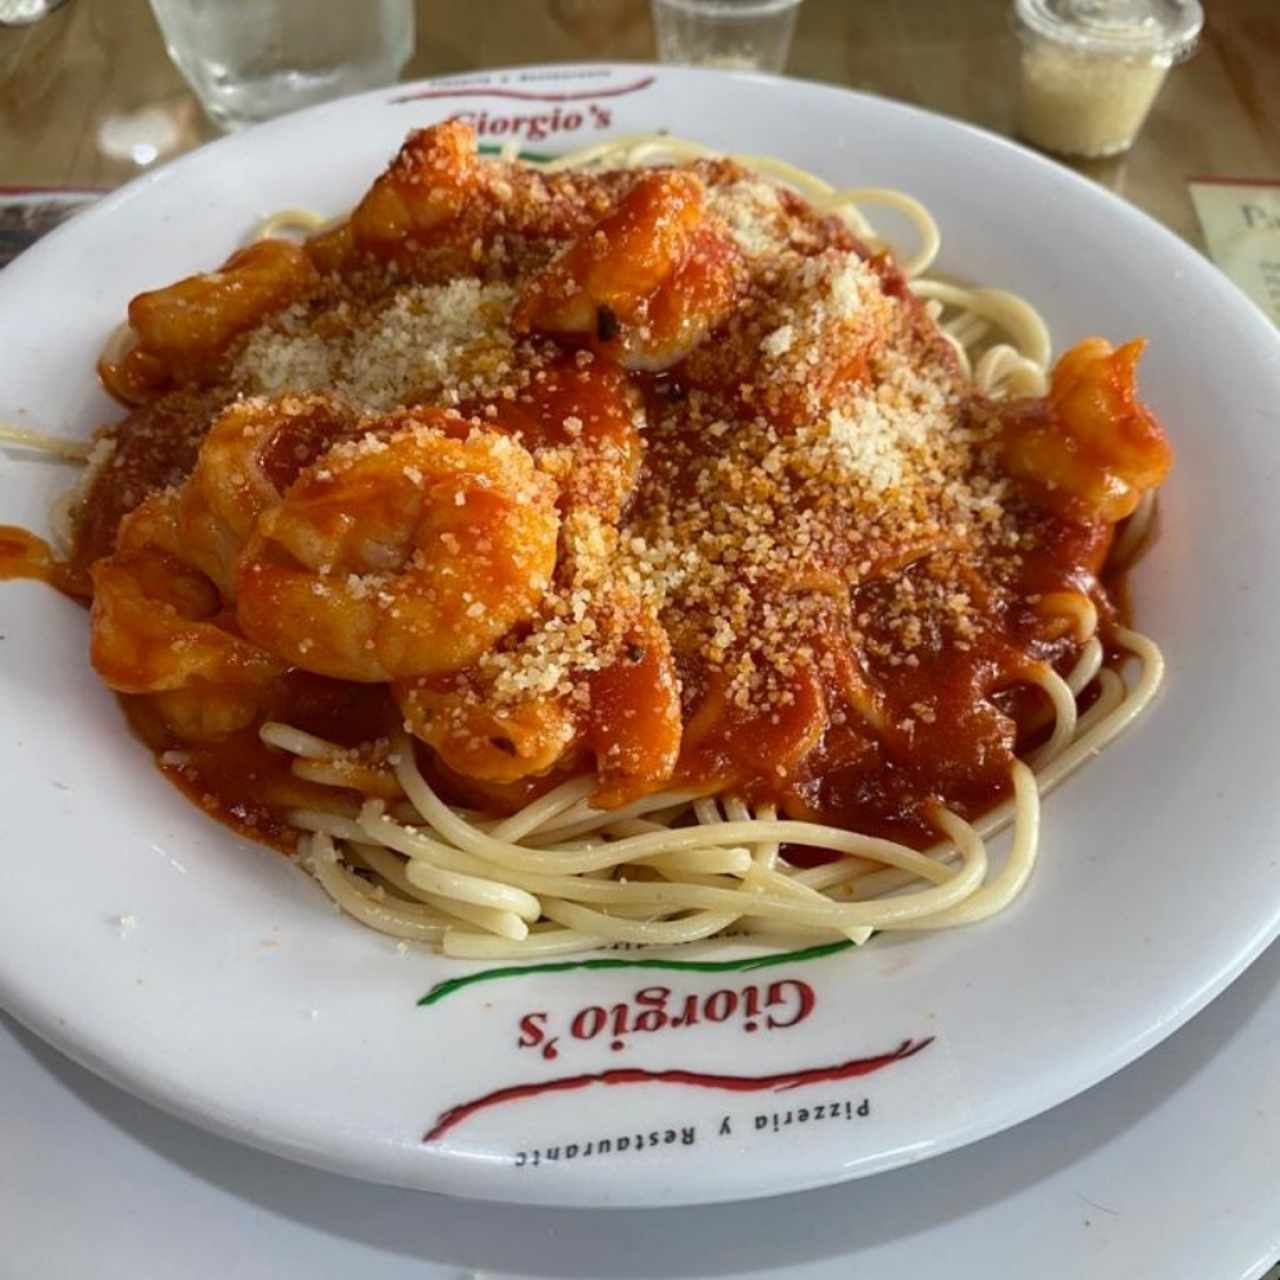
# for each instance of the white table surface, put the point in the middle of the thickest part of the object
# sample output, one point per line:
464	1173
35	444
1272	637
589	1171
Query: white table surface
1169	1169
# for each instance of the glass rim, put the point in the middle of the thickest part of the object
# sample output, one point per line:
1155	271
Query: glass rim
714	10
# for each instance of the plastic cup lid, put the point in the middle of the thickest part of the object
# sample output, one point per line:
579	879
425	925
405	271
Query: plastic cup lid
1126	27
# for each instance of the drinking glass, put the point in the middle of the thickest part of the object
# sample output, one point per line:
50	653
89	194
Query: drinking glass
249	60
739	35
22	13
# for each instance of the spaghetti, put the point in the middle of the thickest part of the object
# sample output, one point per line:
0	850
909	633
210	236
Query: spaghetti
500	841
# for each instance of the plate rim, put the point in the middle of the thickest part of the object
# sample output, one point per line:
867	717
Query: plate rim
168	1094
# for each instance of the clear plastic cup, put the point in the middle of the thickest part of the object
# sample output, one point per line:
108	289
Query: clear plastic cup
738	35
249	60
1091	69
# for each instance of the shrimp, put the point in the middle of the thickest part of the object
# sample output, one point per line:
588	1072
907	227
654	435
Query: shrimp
333	248
626	715
252	453
478	737
156	628
815	327
698	296
428	184
582	422
1099	449
406	552
647	282
438	194
182	331
634	727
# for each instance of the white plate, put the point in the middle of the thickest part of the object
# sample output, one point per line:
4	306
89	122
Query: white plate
1165	1170
240	1001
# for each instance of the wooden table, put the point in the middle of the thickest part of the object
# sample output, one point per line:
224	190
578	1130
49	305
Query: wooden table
79	87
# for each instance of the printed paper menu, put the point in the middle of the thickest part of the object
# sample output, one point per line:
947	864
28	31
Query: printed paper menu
1241	222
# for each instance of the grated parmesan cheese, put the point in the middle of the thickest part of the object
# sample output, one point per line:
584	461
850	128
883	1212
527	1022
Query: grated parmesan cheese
404	350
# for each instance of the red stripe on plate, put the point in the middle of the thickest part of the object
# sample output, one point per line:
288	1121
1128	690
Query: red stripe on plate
524	95
636	1075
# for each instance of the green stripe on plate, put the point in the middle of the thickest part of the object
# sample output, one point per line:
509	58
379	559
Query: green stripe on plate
744	965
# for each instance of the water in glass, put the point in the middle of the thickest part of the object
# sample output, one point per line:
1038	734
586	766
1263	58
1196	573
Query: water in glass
738	35
249	60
